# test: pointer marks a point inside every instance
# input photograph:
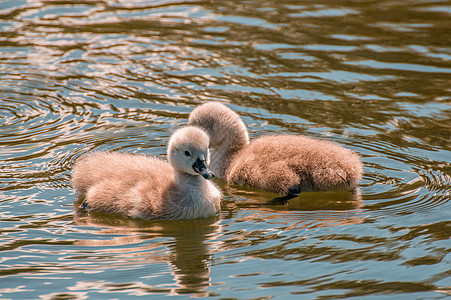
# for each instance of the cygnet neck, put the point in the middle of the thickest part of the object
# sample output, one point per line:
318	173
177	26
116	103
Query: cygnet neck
228	133
222	153
185	181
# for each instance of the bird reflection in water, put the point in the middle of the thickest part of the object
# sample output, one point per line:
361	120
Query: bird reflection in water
186	245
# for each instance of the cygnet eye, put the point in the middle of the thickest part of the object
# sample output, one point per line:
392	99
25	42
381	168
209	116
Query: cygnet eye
187	153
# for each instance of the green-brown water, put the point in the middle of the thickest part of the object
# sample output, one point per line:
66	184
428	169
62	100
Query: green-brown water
374	76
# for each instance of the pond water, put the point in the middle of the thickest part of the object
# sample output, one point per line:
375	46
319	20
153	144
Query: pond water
374	76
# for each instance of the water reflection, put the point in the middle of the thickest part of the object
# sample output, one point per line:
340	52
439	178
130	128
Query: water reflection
186	245
336	201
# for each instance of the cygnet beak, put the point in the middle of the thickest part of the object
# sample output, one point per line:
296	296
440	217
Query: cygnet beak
201	167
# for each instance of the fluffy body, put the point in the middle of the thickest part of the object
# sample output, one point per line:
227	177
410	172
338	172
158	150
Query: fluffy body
275	163
140	186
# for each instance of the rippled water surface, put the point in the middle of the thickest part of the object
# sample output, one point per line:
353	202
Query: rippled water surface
374	76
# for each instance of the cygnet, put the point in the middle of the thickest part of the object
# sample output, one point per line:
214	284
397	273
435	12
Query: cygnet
140	186
283	164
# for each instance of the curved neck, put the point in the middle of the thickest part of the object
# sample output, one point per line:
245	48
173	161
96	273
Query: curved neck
225	147
228	133
221	158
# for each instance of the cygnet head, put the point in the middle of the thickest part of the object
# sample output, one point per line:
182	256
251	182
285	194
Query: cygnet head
188	152
223	125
